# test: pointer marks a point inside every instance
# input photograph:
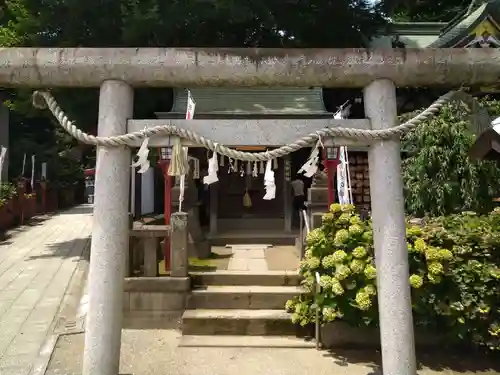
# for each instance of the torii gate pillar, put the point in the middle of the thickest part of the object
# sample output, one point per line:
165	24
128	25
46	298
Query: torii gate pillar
389	234
110	234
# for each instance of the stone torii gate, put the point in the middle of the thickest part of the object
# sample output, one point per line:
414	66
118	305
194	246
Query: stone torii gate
117	71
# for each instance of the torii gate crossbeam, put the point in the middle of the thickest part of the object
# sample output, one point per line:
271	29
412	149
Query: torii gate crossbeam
191	67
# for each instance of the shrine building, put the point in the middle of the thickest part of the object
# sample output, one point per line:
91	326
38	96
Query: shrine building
224	206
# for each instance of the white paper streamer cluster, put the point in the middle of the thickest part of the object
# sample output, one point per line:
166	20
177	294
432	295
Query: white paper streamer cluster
213	168
310	167
142	157
269	184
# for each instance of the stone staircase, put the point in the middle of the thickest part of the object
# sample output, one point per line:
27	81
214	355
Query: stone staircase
234	308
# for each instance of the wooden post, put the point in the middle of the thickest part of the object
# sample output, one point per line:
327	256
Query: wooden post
43	185
213	207
167	209
21	185
287	194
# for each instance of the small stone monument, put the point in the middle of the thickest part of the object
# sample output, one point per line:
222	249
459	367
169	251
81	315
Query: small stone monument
197	245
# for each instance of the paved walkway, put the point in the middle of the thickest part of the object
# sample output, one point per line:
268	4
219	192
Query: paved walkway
36	266
248	258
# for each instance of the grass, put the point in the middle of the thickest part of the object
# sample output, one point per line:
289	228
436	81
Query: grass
212	263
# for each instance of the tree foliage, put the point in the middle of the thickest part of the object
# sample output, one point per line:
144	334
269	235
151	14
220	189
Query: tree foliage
426	10
439	177
203	23
157	23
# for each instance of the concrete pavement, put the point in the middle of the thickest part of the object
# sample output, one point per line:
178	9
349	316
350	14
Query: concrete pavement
37	263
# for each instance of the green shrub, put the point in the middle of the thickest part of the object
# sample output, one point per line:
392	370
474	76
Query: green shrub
439	176
454	274
7	192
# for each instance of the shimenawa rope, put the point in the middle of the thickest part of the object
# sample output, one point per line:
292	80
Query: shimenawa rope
43	99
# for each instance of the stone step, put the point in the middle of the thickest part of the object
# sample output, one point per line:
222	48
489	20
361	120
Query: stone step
274	239
246	342
267	278
242	297
239	322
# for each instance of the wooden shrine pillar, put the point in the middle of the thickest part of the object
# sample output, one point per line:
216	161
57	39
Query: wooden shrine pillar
213	207
287	194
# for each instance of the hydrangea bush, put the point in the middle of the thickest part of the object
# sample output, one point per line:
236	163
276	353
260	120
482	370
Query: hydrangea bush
454	274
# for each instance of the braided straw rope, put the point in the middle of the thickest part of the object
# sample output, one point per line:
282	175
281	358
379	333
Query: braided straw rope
43	99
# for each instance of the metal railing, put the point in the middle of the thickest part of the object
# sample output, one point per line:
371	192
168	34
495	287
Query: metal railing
304	229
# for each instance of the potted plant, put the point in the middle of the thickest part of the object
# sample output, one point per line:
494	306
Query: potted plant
7	195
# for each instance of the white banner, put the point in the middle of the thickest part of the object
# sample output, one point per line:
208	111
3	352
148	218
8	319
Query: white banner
33	173
3	153
191	105
343	178
44	171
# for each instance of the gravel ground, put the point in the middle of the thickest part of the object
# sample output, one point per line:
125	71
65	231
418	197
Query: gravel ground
155	352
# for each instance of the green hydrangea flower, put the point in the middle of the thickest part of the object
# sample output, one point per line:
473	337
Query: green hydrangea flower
290	305
327	218
363	300
329	262
325	281
370	290
308	283
337	287
367	236
445	254
355	230
355	220
431	253
416	281
370	272
335	208
308	254
433	279
342	272
329	314
414	230
435	268
357	266
312	263
349	208
359	252
341	237
315	238
339	256
343	219
420	245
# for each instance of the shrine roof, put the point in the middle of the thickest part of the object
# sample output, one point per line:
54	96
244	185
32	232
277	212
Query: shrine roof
461	31
253	101
464	24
